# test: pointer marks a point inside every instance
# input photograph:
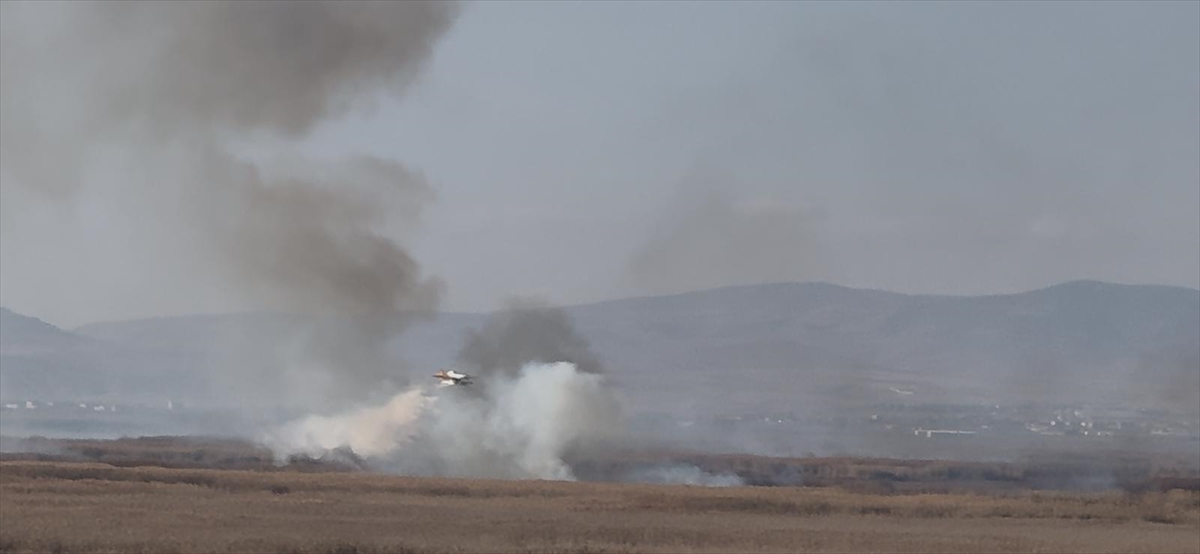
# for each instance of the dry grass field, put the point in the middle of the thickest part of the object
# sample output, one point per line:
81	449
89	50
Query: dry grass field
92	507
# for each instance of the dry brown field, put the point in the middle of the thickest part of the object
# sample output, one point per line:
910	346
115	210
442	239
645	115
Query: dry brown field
92	507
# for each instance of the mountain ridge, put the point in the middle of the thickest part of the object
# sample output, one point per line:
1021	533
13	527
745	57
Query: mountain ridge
722	289
1084	338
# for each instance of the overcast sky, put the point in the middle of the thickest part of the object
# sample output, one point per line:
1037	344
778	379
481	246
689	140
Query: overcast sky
584	151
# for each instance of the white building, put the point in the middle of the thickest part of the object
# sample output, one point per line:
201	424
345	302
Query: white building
929	433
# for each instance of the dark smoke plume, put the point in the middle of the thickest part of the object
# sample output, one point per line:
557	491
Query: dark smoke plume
527	331
169	89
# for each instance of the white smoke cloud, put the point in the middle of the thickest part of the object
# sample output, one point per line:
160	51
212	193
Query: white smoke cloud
368	431
683	474
519	427
530	425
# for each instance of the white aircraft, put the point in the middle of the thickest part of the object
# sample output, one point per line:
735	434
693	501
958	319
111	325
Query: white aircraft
449	378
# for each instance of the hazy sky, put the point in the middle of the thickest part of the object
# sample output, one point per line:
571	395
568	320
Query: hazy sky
584	151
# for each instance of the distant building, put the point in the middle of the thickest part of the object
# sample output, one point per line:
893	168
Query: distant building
929	433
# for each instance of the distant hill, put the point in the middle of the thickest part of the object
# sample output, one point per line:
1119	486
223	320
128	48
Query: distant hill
41	361
23	333
37	356
806	325
1081	339
780	346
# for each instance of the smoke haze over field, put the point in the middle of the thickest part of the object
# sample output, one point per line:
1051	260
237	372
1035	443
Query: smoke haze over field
336	173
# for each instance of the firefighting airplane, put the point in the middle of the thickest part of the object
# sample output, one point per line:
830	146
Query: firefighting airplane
449	378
